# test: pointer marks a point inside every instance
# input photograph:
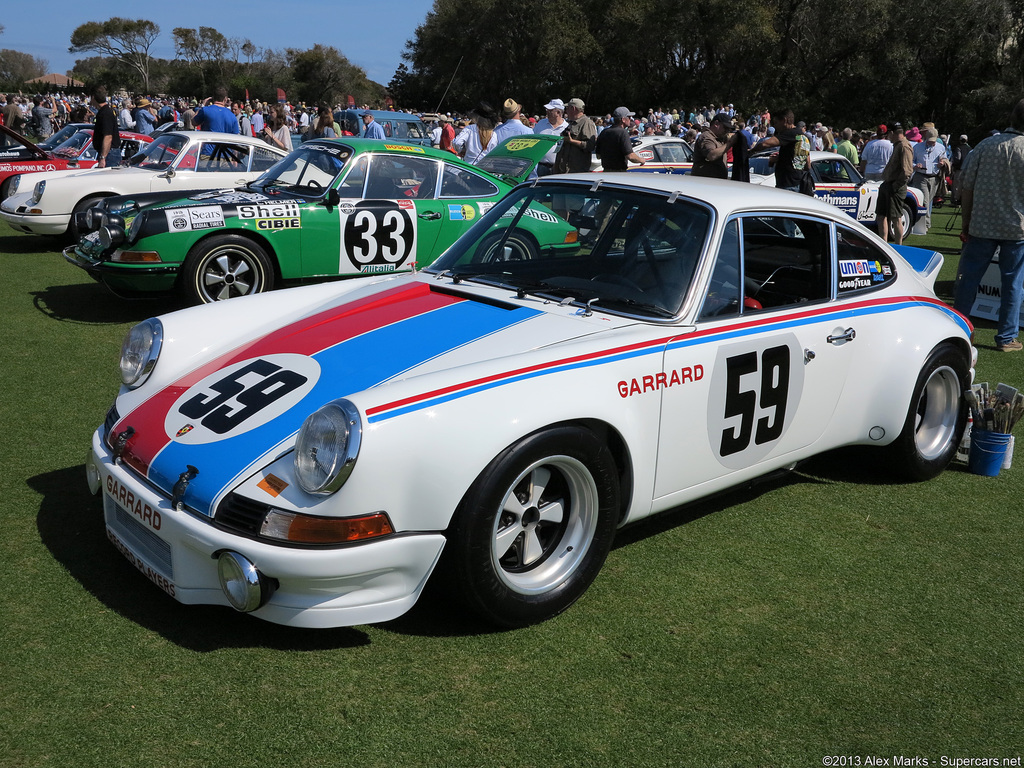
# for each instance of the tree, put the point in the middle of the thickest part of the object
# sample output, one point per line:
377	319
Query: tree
204	50
16	68
125	40
324	76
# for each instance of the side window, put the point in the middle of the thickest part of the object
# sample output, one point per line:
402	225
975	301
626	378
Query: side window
673	152
862	266
352	186
458	182
389	128
724	294
262	159
223	157
398	177
832	172
786	261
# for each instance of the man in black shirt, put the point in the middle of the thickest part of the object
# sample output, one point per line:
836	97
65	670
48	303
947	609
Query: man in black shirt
105	137
787	139
613	144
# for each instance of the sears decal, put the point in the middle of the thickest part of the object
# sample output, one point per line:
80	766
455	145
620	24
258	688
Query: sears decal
377	236
241	397
272	216
755	388
192	219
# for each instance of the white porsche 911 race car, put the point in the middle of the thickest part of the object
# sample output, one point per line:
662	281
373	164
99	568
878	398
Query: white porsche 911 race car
594	350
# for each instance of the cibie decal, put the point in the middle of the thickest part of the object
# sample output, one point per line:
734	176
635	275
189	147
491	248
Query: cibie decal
461	212
754	392
241	397
272	216
518	145
191	219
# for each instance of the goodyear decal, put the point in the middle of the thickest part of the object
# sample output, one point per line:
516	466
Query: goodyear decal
461	212
518	145
245	403
404	148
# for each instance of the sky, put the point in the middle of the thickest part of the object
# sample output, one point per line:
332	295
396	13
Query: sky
371	35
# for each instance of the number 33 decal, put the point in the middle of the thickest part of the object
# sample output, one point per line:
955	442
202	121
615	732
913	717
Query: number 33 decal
752	390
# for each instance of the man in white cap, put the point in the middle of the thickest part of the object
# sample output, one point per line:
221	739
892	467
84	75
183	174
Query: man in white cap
930	165
554	124
512	124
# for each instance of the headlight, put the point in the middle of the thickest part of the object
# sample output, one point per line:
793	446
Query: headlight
140	351
327	447
15	183
136	225
37	192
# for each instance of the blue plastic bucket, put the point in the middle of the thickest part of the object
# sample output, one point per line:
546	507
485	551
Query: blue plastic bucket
987	452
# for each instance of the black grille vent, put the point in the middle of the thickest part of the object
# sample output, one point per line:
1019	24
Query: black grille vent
111	419
242	515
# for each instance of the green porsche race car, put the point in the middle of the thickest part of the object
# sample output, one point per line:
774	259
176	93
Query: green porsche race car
332	208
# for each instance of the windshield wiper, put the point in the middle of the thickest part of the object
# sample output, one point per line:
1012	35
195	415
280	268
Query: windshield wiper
654	309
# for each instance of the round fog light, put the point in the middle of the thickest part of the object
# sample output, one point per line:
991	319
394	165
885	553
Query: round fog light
92	474
241	582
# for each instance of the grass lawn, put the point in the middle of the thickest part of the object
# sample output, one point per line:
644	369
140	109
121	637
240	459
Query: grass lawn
829	613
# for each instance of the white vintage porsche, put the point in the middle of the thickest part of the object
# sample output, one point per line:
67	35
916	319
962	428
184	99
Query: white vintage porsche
596	349
45	203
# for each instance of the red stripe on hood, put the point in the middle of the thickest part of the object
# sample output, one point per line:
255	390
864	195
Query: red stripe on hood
306	337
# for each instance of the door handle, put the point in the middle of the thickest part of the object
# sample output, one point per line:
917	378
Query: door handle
430	216
848	335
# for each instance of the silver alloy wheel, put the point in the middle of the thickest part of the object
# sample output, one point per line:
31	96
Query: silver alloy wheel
229	271
938	408
545	525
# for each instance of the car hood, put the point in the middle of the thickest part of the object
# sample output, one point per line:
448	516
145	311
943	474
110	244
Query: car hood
382	343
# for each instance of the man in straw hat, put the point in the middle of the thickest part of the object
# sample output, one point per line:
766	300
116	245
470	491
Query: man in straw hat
511	121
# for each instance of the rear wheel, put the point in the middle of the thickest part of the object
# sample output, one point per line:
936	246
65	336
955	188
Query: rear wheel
517	247
223	267
936	417
535	528
907	219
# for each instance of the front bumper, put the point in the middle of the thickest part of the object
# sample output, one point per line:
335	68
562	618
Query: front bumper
37	224
358	584
126	279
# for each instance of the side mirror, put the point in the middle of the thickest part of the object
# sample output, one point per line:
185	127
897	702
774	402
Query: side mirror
332	199
168	174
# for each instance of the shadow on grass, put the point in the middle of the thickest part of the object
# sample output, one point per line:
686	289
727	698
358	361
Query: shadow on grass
18	245
93	304
70	524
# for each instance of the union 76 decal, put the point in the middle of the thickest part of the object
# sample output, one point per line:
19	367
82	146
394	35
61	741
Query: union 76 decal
755	389
241	397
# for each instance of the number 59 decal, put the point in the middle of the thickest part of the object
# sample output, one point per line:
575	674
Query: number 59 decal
754	392
241	397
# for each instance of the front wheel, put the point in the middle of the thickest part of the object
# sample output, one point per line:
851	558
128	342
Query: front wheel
936	417
533	531
223	267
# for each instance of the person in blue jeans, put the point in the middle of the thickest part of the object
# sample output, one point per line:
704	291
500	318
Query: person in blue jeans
992	205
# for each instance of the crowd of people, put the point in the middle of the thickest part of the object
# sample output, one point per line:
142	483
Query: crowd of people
721	138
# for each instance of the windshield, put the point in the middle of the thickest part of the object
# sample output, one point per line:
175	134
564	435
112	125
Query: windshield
159	154
73	147
311	169
616	250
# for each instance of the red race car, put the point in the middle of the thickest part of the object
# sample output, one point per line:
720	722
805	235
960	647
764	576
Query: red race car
19	155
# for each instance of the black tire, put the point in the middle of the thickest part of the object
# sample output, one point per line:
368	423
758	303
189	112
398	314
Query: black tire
5	189
907	218
223	267
936	417
83	205
533	531
522	248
